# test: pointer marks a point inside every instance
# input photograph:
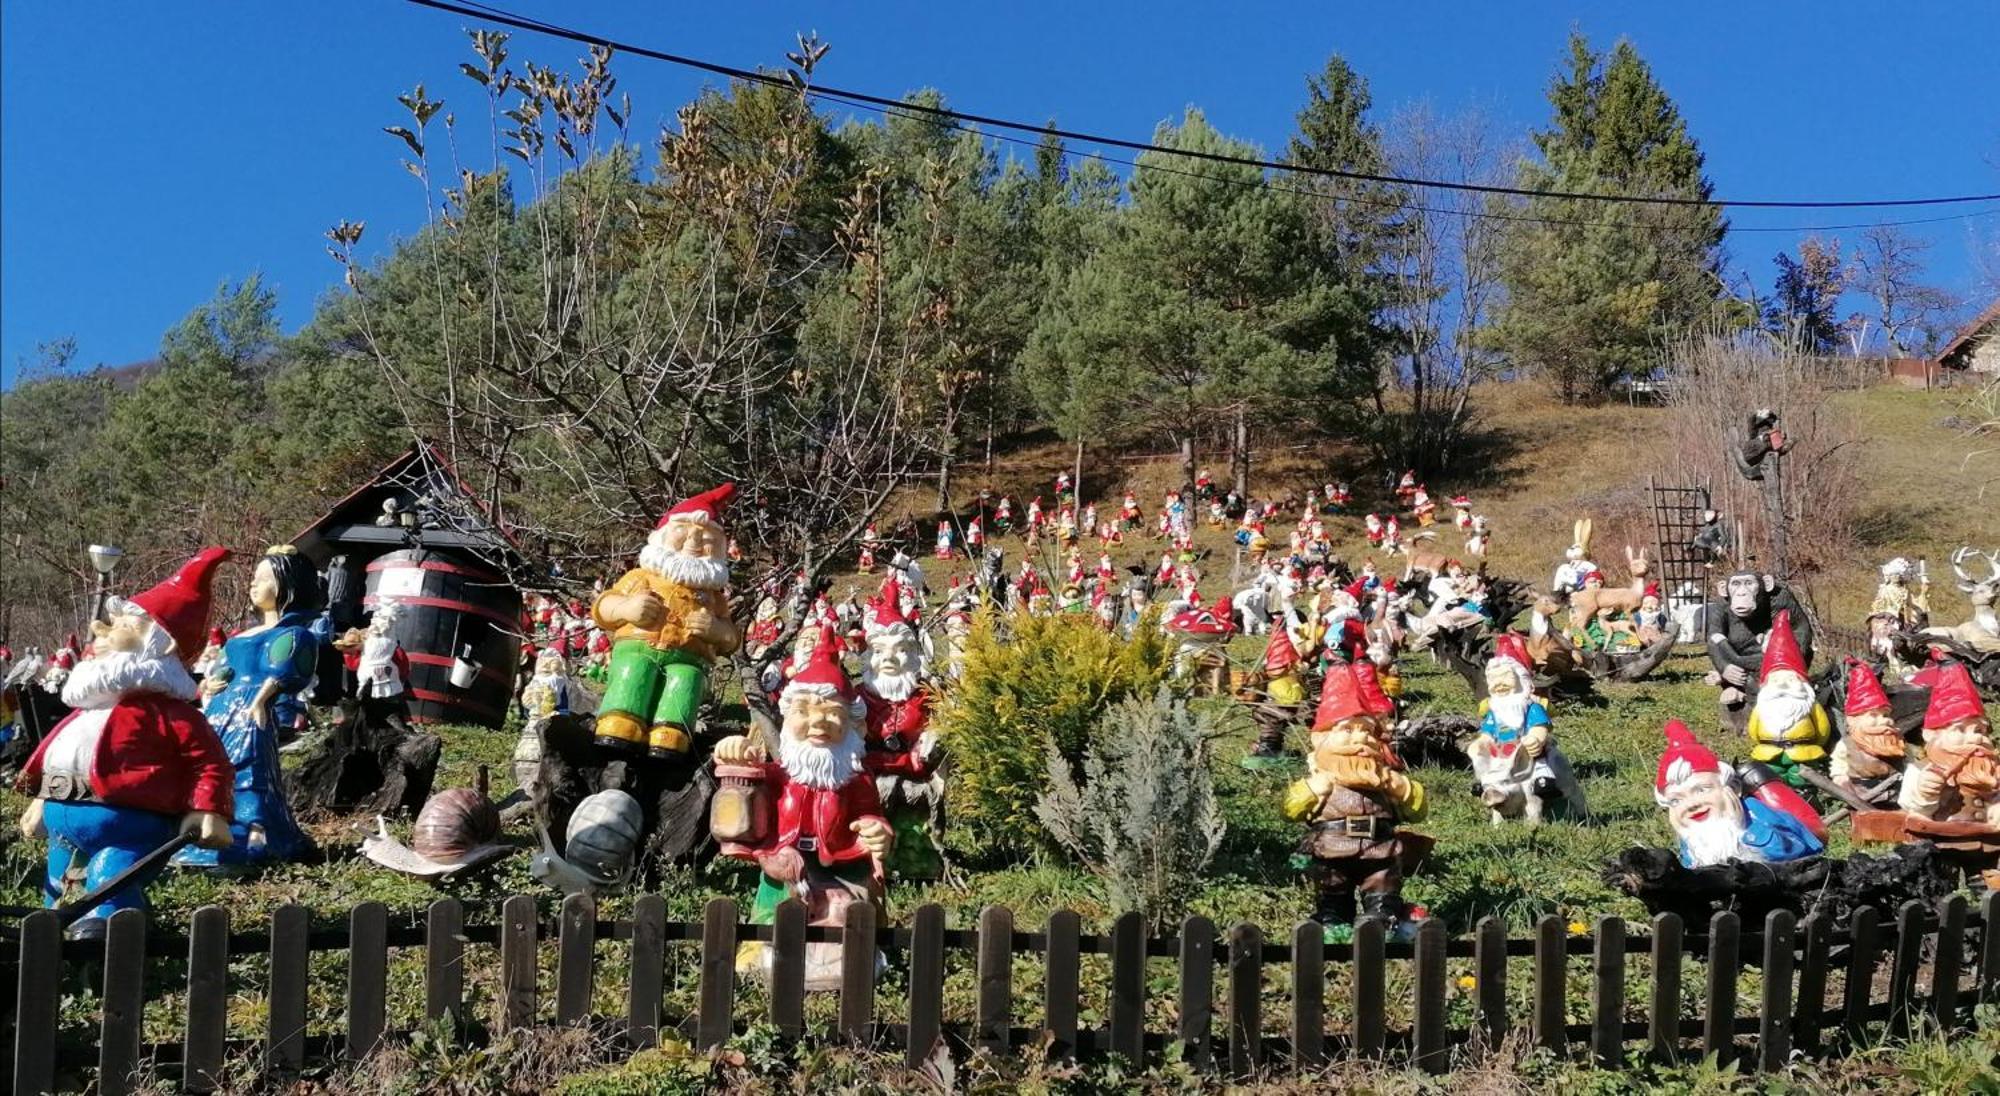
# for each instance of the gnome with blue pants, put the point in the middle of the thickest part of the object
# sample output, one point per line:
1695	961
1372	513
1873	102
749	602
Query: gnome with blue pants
136	763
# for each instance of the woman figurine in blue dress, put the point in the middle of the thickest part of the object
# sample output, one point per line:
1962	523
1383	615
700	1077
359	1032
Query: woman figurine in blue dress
270	669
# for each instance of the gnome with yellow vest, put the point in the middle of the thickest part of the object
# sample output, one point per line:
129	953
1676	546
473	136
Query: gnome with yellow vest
1788	729
667	619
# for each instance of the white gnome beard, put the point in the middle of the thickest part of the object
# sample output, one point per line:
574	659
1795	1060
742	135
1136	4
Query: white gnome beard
98	682
1782	706
694	572
1510	711
823	767
891	686
1715	839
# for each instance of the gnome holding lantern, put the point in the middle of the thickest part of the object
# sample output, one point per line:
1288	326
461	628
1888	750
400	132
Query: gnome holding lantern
1871	755
1520	771
1959	780
903	753
135	764
1788	729
1720	813
810	820
668	619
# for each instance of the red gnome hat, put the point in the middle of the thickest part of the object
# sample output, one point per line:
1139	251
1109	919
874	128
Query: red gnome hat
1509	645
216	638
705	507
1279	655
1339	698
1953	699
1781	651
1369	682
1685	757
822	673
889	608
180	605
1864	689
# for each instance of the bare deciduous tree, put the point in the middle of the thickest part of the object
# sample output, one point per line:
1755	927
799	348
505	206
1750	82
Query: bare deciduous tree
1888	269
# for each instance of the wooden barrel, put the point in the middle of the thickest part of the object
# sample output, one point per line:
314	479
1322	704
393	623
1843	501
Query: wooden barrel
450	601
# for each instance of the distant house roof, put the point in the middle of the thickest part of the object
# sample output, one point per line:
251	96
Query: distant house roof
457	519
1963	340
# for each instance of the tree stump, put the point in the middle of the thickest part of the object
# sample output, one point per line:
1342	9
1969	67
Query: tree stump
674	794
373	762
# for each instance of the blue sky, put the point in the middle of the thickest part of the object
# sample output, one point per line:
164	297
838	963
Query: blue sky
149	152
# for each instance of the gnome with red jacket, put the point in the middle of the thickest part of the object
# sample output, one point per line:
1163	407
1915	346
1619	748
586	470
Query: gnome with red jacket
903	754
136	763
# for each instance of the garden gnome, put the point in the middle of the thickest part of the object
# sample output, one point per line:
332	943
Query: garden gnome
1351	802
810	820
211	655
1959	780
1787	727
1871	750
383	669
1283	700
668	619
1521	773
903	753
548	692
136	763
1717	814
1461	512
1202	635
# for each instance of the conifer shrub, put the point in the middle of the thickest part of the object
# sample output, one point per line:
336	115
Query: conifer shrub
1144	817
1030	685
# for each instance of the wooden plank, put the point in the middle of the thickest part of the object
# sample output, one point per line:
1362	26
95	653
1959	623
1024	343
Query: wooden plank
285	1045
576	957
37	1003
1128	987
788	969
926	1022
1489	962
367	977
1903	963
1197	991
517	963
1550	1027
124	1002
1948	962
1607	993
1863	952
444	962
995	1015
1308	995
1432	1023
648	973
1663	1021
1810	1010
1725	967
1246	992
715	1011
1774	1017
207	999
1370	987
1062	969
1989	948
857	973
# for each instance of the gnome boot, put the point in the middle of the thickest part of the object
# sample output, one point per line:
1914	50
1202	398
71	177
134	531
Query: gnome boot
1335	907
619	732
666	742
1383	906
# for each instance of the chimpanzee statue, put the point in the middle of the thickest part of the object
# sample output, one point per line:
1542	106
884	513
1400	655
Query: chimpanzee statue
1737	623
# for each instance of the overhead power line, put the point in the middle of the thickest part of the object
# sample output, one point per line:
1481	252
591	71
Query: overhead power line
475	10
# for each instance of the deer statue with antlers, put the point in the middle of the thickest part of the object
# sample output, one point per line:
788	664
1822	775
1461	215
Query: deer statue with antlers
1981	633
1597	599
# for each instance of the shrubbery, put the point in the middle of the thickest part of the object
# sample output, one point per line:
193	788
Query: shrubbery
1043	683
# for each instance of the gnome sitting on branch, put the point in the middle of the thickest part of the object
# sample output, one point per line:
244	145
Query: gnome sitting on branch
811	820
668	619
135	765
1720	814
1520	771
1871	760
1788	729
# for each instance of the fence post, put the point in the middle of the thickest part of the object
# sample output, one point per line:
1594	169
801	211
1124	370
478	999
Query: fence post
124	1001
1810	1009
38	1003
1725	966
1062	965
367	977
996	978
1128	987
1903	965
517	962
1431	1022
715	1015
1246	987
576	954
444	961
285	1044
1774	1019
1949	962
1370	988
1862	953
1607	997
1308	995
857	973
788	969
1989	948
1197	991
1489	981
1551	954
926	1021
1664	1022
207	999
648	974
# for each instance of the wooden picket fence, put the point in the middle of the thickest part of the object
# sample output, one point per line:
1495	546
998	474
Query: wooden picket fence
1792	1014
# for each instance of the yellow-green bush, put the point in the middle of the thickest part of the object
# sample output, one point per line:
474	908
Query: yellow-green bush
1029	683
